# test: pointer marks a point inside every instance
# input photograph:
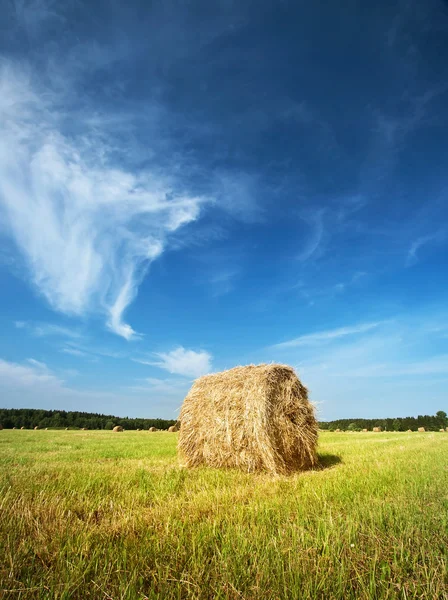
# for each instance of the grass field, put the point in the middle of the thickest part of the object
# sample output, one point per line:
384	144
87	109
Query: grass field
105	515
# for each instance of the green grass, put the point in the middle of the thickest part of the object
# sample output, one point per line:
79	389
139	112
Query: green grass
106	515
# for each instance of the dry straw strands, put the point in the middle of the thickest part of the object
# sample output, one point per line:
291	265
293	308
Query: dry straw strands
117	428
255	418
421	429
377	429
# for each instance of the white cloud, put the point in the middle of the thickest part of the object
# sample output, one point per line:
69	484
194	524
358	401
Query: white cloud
322	337
87	229
182	362
34	385
412	257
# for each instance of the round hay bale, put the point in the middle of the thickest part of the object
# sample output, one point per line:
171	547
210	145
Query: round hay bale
117	428
442	430
138	429
376	429
152	429
22	428
84	428
14	427
36	427
409	431
66	429
172	428
337	431
364	430
46	428
421	429
255	418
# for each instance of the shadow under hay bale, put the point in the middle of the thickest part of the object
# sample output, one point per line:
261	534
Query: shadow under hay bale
117	428
327	461
255	418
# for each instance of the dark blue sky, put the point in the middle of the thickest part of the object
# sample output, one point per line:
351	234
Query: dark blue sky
187	186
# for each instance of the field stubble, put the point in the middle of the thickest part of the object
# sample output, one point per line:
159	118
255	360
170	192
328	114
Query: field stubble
100	515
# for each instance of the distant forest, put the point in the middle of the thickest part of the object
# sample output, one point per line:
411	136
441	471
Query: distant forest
60	419
430	423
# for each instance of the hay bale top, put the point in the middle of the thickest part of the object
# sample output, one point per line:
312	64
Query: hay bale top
256	418
377	429
421	429
152	429
117	428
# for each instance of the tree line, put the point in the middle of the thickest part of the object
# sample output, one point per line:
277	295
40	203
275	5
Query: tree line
61	419
429	422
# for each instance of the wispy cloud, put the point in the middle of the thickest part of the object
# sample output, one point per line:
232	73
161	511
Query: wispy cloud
87	228
315	221
323	337
181	361
432	238
48	330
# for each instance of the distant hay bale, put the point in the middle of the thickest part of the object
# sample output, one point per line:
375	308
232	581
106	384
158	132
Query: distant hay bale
152	429
256	418
46	428
409	431
84	428
22	428
421	429
14	427
364	430
442	430
66	429
172	428
36	427
376	429
117	428
337	431
138	429
446	429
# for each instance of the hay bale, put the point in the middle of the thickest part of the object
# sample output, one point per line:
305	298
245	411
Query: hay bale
152	429
421	429
256	418
84	428
117	428
46	428
22	428
14	427
446	429
376	429
138	429
36	427
409	431
66	429
172	428
364	430
337	431
442	430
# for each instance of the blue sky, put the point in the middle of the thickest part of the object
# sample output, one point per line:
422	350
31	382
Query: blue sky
188	186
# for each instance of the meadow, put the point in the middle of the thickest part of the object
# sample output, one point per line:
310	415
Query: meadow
96	514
